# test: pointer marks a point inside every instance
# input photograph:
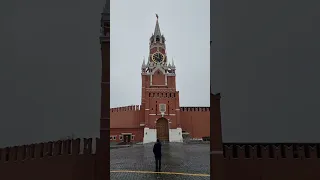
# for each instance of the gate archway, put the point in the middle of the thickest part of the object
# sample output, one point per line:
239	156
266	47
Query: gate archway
162	127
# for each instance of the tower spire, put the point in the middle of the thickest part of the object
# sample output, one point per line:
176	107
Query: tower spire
157	28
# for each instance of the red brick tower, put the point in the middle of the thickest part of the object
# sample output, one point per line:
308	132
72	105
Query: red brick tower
104	145
160	109
216	146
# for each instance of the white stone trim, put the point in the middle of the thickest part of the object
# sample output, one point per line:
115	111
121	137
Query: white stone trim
149	135
177	109
172	114
147	109
166	80
152	114
175	135
164	106
158	67
163	72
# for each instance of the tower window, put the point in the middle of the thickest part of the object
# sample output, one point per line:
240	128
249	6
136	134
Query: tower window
157	38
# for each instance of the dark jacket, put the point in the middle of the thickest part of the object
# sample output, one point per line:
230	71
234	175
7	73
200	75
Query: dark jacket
157	150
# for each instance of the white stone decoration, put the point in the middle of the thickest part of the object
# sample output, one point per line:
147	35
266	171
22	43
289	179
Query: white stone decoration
149	135
175	135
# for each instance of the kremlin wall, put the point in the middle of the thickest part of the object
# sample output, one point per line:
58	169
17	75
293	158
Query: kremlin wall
194	120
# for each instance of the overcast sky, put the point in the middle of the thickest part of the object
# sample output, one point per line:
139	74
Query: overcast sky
186	27
264	61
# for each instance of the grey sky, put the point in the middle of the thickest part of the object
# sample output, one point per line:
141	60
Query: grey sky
265	62
184	23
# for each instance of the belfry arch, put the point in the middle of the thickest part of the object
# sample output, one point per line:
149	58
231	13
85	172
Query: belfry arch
162	127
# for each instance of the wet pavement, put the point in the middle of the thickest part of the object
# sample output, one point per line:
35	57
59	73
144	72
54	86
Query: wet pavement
188	161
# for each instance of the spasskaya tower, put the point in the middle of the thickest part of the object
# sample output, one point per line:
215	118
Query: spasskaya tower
160	109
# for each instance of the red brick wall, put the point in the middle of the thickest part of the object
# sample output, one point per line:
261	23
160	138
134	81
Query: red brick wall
154	109
196	121
276	161
59	160
125	117
137	132
305	164
158	78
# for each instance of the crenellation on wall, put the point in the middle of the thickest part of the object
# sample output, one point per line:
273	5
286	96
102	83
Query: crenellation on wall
125	108
313	152
48	149
270	151
194	109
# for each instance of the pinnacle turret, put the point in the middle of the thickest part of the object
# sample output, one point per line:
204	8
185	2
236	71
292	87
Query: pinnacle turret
106	11
173	66
143	66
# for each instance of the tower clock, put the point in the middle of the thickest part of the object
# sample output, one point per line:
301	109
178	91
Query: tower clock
157	57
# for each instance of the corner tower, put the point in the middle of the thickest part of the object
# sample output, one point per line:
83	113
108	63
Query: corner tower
103	150
160	110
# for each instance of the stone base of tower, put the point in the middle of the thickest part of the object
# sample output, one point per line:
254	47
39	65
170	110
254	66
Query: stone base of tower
175	135
150	135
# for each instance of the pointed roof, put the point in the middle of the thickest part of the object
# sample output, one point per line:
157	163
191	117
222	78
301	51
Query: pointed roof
106	11
157	28
143	63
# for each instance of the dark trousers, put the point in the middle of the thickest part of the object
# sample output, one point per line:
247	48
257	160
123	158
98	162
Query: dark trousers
158	163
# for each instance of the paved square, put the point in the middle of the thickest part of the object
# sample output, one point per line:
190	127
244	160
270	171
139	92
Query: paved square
179	161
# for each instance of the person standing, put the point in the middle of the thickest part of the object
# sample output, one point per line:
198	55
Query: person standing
157	155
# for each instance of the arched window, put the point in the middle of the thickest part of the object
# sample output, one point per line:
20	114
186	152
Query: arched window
157	39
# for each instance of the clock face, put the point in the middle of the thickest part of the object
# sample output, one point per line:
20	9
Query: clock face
158	57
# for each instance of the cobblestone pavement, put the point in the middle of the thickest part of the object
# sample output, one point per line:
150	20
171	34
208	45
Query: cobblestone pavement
176	158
